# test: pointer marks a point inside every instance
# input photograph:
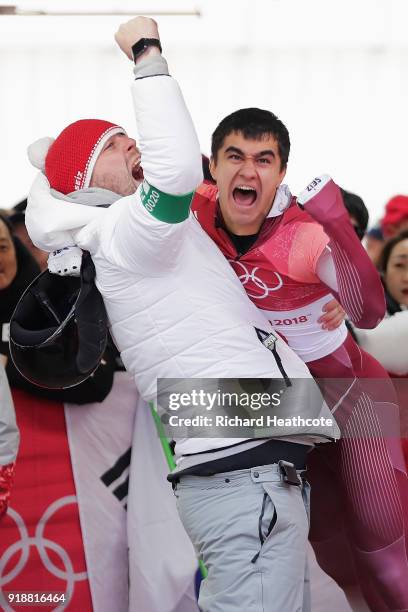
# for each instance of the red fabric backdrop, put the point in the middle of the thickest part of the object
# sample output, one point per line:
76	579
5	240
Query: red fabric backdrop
40	538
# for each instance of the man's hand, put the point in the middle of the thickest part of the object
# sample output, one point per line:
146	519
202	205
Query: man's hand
3	359
135	29
333	317
66	261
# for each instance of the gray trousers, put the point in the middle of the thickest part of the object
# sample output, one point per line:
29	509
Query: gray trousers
250	528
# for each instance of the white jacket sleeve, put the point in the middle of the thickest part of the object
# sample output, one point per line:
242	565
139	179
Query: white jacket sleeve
9	435
388	342
169	146
150	227
52	223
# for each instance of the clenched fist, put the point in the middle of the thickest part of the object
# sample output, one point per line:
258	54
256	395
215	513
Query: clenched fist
323	201
135	29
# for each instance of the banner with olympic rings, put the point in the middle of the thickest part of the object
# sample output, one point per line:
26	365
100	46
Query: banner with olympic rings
41	549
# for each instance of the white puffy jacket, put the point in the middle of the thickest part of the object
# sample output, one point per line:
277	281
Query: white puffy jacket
175	306
388	342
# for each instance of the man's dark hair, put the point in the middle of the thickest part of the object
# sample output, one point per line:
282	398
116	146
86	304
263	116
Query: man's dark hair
17	213
5	219
357	209
205	162
253	124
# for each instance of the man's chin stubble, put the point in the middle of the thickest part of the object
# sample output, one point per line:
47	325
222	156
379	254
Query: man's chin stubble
116	185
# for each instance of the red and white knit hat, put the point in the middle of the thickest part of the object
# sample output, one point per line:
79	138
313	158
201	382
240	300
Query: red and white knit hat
69	160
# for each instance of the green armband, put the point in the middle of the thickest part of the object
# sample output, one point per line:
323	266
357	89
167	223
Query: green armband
163	206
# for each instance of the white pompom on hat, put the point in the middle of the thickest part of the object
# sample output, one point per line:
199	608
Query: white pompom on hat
37	151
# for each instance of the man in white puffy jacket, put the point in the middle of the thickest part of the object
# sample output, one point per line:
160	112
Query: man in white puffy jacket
176	310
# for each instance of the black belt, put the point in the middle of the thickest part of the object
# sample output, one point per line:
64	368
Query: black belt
271	451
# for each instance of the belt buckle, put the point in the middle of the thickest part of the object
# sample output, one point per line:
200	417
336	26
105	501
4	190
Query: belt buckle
289	473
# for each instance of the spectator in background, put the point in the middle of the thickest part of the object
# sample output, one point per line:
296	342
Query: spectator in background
374	244
395	219
206	170
388	342
17	269
357	211
17	218
9	439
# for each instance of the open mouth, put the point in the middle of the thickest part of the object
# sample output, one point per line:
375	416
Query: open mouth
137	171
244	195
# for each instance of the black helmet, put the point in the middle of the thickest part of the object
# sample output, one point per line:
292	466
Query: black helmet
58	331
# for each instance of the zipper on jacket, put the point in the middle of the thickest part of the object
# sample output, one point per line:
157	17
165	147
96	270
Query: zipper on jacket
269	341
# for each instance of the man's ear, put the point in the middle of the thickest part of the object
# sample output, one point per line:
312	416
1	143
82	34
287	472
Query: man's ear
283	173
213	168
